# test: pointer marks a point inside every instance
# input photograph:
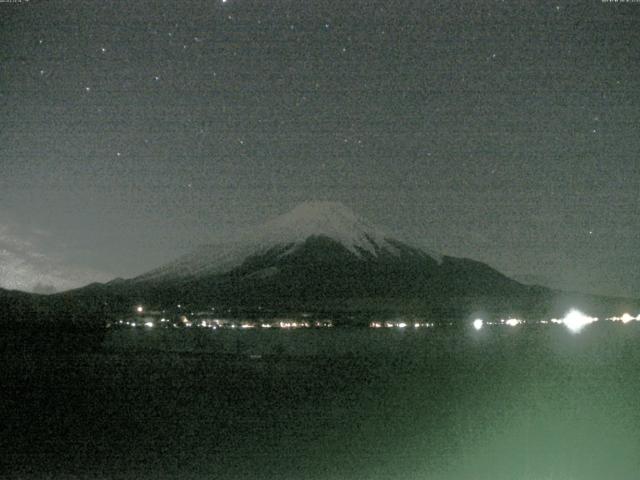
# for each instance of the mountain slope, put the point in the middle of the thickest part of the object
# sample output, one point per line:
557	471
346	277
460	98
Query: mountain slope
283	236
322	257
319	255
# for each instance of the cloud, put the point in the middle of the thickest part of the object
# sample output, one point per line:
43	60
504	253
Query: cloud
24	266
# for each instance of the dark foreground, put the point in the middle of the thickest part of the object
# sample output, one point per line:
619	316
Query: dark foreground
523	403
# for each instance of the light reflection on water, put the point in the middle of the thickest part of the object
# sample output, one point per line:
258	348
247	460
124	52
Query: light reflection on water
498	403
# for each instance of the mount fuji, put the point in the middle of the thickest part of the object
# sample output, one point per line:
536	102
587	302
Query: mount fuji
320	256
328	223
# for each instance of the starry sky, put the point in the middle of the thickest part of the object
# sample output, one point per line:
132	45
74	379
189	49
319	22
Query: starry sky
505	131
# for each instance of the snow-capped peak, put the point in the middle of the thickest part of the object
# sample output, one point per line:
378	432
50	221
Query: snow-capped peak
328	219
289	231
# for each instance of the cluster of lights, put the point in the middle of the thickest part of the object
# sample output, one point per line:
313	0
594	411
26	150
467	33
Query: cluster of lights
625	318
185	321
574	320
512	322
293	324
400	324
478	323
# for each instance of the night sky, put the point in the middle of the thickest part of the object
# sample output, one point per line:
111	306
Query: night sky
505	131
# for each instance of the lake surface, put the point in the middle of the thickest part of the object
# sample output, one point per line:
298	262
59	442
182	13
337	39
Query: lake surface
500	403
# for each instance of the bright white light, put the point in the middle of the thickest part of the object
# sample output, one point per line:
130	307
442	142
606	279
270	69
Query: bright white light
402	325
576	320
513	322
148	324
478	323
139	309
626	318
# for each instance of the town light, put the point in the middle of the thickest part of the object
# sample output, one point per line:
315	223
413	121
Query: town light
626	318
576	320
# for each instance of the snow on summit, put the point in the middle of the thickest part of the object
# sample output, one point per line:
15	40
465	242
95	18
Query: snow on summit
328	219
292	229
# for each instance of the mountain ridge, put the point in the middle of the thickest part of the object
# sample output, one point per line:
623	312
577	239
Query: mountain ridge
321	257
309	219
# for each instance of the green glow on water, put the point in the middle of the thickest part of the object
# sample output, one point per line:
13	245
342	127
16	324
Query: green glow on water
512	403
